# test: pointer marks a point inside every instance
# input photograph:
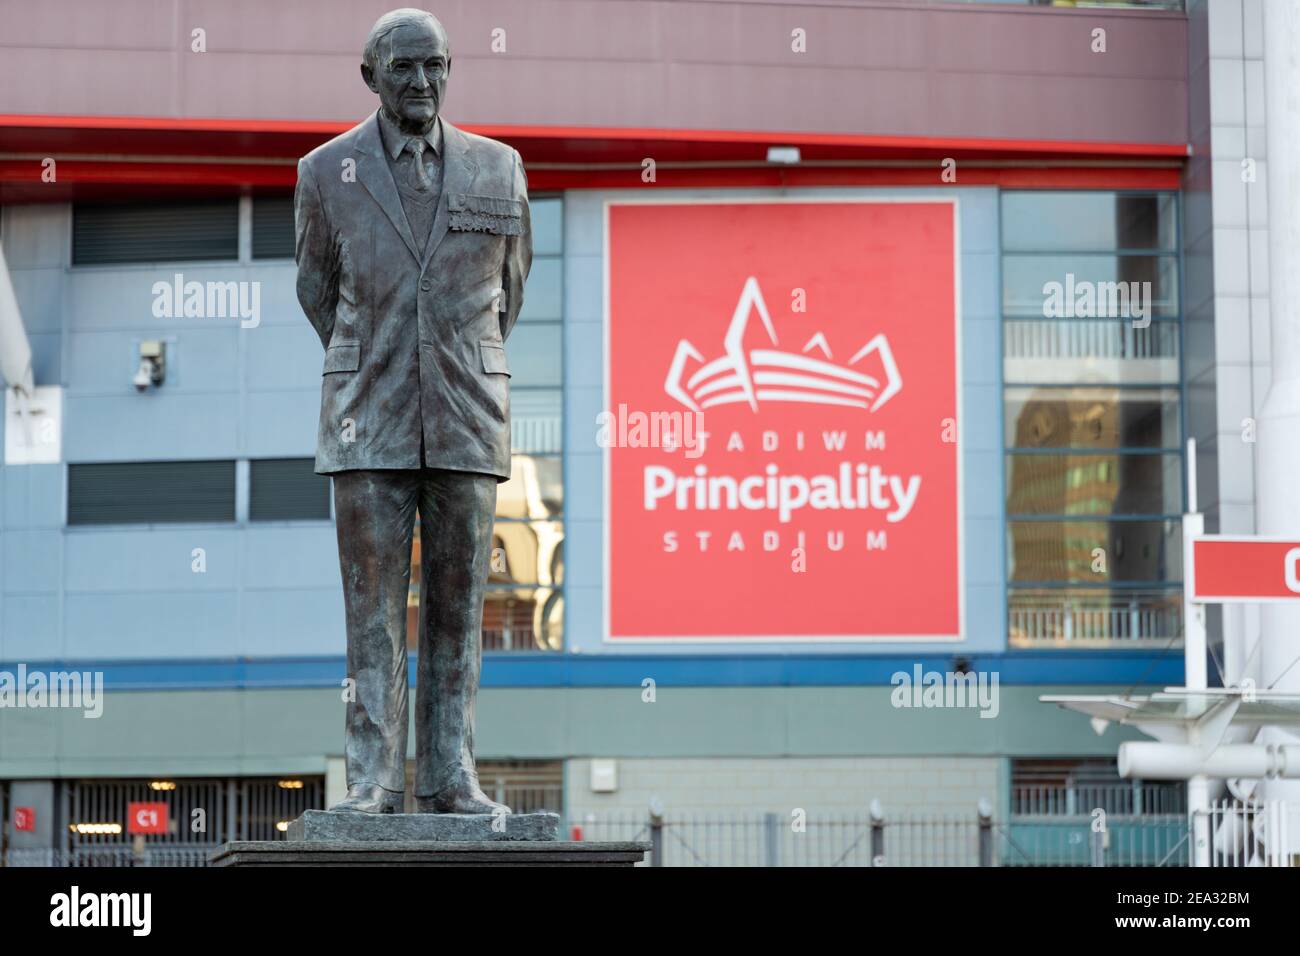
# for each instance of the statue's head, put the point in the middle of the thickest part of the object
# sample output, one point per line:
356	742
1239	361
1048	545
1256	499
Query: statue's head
406	61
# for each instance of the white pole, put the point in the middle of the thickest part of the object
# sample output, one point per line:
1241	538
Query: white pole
1278	450
1198	785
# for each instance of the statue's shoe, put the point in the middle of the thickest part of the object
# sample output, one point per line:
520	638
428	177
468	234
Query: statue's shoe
459	799
371	798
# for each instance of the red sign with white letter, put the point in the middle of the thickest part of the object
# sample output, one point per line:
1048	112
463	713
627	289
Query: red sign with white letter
1229	569
146	818
781	426
25	819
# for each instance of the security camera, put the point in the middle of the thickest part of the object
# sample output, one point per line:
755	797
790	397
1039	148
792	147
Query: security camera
153	365
143	377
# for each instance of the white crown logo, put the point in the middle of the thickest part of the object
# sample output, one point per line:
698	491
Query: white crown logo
773	375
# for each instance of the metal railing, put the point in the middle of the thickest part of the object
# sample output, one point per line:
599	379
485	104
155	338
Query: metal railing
1107	618
1256	833
798	839
115	857
1251	834
1088	339
977	839
1080	798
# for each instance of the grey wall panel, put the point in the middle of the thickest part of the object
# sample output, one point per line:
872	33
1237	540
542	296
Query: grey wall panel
107	561
282	357
981	70
31	560
282	730
134	428
135	624
200	360
290	622
33	496
281	423
31	627
311	549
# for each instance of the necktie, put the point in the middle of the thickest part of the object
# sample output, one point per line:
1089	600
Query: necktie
419	175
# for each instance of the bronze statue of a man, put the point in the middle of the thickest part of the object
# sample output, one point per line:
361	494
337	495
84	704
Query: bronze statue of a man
413	244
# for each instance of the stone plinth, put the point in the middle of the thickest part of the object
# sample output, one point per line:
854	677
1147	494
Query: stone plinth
331	826
428	853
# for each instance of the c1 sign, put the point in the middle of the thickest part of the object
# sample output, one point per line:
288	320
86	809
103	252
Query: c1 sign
1228	569
146	818
781	426
25	819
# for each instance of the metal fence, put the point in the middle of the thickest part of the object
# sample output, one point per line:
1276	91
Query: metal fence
772	839
1104	618
1251	834
798	839
150	856
1237	835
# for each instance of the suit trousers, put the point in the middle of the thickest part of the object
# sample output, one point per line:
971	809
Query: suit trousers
375	513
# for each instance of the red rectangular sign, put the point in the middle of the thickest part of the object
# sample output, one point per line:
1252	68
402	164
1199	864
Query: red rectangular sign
781	428
146	818
25	819
1228	569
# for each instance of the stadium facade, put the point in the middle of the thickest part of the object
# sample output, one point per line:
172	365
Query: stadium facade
957	268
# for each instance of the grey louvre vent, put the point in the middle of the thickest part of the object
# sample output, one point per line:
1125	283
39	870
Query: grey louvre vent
154	232
147	492
273	227
287	489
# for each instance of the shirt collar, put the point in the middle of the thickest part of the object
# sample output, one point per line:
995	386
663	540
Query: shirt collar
395	140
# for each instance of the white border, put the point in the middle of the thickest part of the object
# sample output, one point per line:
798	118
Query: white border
735	640
1189	574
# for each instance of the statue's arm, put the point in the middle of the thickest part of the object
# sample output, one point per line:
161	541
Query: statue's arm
519	255
316	255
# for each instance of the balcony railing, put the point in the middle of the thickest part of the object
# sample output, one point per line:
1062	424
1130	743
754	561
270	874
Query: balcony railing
1089	339
1121	797
1106	618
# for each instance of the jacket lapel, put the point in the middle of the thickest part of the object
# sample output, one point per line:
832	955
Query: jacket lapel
374	174
458	171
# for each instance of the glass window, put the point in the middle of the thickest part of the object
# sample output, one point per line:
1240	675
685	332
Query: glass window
534	355
528	552
1090	286
1094	552
287	489
1088	221
1079	417
535	416
1115	484
151	492
273	229
109	233
535	489
1092	419
523	619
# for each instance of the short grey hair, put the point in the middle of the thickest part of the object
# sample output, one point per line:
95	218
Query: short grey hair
389	22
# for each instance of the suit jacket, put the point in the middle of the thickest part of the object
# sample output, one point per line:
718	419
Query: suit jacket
414	344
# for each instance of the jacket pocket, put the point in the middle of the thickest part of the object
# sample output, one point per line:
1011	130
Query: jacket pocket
342	358
492	214
494	359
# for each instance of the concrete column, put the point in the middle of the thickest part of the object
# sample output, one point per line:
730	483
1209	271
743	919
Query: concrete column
1278	505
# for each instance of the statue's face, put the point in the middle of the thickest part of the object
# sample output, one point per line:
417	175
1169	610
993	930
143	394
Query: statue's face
410	76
